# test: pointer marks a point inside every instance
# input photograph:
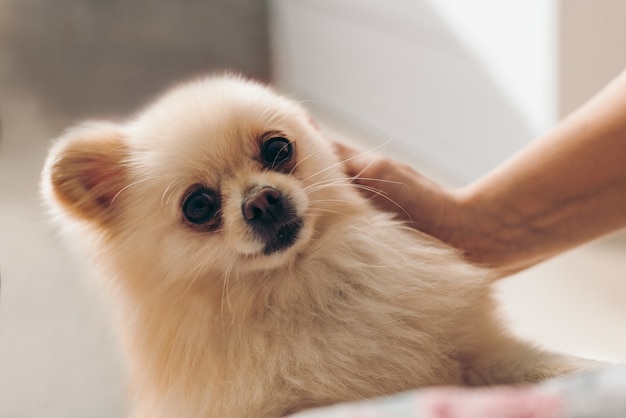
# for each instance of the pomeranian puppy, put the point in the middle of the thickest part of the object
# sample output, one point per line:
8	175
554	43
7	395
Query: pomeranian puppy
252	279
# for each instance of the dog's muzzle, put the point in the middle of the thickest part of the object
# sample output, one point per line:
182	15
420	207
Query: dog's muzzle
273	218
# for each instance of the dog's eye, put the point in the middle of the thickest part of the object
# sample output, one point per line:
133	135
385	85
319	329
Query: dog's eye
276	150
200	206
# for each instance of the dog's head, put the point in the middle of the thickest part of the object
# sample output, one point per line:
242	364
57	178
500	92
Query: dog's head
219	174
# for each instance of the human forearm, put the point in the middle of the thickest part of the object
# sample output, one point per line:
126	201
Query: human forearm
566	188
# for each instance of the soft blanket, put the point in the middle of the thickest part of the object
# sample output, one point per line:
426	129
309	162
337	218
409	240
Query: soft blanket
599	394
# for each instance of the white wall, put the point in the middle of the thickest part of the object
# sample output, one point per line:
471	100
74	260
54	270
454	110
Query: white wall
460	84
515	44
592	48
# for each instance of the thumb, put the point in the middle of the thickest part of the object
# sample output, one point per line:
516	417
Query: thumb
356	162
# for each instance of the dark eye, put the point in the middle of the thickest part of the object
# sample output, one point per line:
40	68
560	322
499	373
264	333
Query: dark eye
200	206
276	150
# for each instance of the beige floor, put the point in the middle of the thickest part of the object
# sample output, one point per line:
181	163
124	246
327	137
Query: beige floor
57	354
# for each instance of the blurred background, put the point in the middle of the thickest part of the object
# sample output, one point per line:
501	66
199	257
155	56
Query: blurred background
453	87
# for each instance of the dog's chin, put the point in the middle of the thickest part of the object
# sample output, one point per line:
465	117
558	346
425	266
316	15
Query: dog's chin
285	238
280	249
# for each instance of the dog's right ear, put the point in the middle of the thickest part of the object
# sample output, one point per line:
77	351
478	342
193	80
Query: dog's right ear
85	171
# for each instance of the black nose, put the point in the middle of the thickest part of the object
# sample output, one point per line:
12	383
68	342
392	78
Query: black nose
264	206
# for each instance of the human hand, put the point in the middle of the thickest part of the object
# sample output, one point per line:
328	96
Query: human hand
563	189
396	187
445	214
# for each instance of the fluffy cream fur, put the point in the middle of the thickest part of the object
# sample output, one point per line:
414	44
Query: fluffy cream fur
213	325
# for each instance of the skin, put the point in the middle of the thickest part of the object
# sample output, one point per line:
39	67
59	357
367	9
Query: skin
565	188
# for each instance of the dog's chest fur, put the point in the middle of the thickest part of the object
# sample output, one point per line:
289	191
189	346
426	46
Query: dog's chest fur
371	308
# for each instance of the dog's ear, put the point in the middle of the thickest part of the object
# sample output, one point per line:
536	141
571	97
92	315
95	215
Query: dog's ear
85	171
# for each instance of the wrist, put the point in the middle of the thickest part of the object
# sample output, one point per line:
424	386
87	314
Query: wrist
494	233
484	232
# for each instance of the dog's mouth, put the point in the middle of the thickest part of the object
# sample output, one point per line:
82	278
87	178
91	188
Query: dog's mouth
272	216
285	237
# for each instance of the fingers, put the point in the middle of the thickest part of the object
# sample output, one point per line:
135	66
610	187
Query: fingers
355	161
382	178
366	168
396	187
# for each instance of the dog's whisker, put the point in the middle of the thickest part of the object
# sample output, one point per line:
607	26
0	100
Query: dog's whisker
317	187
330	182
276	114
377	180
226	286
336	212
129	186
345	181
168	191
374	191
386	197
304	101
332	166
329	201
303	159
201	267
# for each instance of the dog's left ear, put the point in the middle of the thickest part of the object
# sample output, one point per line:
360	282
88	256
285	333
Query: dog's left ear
313	123
85	172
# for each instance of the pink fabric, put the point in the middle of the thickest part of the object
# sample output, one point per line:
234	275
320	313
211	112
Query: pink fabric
600	394
503	402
